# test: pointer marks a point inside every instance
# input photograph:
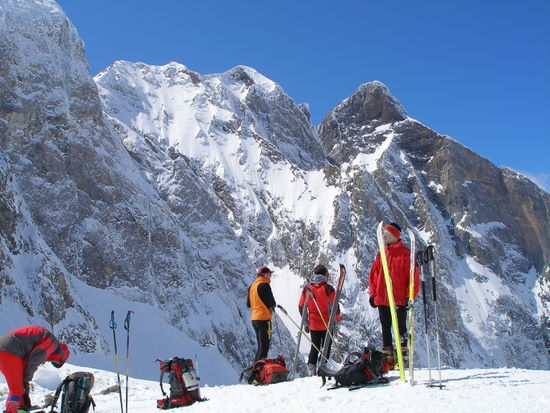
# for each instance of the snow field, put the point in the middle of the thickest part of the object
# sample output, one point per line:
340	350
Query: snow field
468	391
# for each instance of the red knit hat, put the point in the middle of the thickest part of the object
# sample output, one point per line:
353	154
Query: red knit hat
393	229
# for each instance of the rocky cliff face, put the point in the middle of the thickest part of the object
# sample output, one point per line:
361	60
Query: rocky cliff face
491	252
167	188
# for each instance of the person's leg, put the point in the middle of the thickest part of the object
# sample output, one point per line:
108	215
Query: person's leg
12	367
263	336
402	321
385	322
256	326
387	344
317	339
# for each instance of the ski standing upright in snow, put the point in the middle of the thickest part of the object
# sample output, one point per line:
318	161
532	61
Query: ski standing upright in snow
113	326
430	258
334	310
127	328
411	305
389	289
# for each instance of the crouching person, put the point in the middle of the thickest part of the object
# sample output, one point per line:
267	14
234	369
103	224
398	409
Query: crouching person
21	352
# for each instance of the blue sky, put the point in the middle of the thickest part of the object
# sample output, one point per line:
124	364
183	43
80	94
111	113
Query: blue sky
478	71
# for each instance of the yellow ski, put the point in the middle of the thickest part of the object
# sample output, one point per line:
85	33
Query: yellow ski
389	289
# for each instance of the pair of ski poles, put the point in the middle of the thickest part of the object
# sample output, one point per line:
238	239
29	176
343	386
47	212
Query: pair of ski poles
113	326
427	257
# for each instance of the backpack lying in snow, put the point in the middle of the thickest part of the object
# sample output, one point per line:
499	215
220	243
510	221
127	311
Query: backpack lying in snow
184	383
359	369
266	371
75	393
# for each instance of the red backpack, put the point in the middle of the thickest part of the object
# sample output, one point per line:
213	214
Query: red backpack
266	371
184	383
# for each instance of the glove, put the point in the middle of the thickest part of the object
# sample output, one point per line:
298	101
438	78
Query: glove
371	302
306	329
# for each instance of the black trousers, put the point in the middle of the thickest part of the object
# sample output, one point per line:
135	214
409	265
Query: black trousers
263	337
385	322
318	338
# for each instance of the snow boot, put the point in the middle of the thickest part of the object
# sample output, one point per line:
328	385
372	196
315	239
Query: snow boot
405	354
390	358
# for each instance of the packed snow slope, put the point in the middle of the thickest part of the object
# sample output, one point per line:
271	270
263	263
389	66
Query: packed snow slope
160	190
465	391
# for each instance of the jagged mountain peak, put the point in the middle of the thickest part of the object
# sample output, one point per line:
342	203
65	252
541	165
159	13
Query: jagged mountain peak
196	113
351	126
250	76
372	102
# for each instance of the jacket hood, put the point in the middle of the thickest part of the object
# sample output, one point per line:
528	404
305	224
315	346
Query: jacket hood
60	356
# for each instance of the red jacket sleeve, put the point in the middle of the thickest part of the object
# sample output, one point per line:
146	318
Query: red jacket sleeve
302	301
373	276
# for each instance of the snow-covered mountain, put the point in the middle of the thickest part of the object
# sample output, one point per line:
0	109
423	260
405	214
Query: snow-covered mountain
160	190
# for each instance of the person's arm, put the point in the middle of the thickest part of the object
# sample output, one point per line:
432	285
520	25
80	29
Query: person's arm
373	276
266	295
36	357
248	297
302	301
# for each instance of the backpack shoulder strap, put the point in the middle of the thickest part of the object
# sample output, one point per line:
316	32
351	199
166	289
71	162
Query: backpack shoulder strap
58	392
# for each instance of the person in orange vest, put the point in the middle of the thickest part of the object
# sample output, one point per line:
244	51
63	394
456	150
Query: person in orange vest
321	299
261	303
398	256
21	352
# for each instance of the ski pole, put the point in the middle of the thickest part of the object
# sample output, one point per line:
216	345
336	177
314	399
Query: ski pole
324	322
421	259
277	329
127	328
334	309
303	332
300	332
412	261
431	259
112	325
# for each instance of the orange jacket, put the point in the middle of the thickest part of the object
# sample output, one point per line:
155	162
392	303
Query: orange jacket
260	299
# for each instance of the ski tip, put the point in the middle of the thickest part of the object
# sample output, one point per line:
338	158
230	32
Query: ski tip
342	267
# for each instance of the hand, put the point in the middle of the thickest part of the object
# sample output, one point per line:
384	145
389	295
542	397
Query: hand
306	328
371	302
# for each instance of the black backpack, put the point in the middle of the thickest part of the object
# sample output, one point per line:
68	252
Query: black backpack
184	383
359	369
75	393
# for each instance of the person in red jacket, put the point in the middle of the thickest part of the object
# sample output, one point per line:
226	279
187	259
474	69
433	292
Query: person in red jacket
398	256
319	304
21	352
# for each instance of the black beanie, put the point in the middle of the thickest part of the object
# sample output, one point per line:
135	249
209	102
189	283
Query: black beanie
320	269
